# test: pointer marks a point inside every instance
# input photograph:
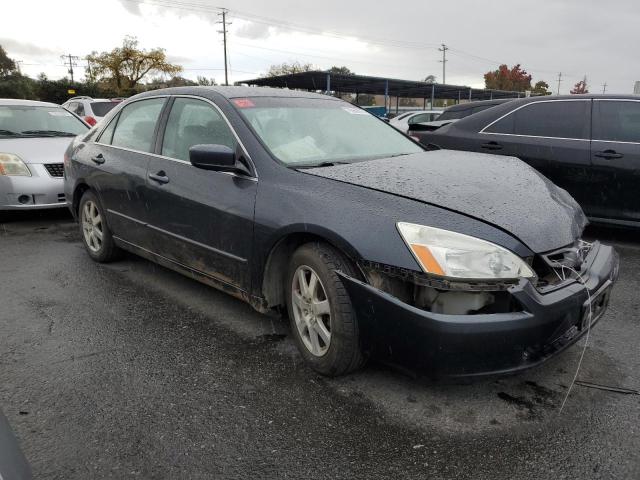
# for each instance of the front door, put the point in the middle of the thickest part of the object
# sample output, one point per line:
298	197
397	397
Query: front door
199	218
615	154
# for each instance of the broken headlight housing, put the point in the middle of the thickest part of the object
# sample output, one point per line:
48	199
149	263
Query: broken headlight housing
13	165
455	255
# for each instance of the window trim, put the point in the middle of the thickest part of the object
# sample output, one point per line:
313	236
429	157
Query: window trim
593	117
482	132
161	126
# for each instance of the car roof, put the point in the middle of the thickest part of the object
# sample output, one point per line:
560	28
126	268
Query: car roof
467	105
30	103
236	92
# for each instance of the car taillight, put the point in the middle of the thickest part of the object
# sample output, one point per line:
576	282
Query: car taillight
90	120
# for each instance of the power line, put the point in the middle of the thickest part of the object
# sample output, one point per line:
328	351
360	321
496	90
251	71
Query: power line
71	59
444	62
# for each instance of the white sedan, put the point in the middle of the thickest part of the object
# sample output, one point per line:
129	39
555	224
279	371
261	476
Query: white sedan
404	121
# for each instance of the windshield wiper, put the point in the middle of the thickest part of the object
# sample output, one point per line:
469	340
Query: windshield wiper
52	133
318	165
9	132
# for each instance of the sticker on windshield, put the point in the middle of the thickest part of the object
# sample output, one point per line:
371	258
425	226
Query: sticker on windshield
355	111
60	113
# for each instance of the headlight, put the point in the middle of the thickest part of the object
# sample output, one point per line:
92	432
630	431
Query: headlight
450	254
12	165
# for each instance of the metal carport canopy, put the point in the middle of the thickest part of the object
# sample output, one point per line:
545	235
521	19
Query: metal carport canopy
337	82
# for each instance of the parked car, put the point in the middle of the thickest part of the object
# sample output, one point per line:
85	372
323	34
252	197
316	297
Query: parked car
453	114
33	139
457	262
588	144
404	121
91	110
13	465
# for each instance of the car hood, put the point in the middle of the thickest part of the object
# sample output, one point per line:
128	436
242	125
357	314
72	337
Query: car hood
502	191
37	149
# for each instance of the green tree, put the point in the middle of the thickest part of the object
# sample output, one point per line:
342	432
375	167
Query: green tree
430	79
541	88
288	69
514	79
206	82
124	67
7	65
340	70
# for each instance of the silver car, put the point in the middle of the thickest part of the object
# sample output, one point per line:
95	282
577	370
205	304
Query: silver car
33	139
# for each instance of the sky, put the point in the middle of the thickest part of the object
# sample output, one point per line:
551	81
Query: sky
595	38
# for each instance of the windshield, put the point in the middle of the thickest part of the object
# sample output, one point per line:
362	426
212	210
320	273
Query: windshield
100	109
32	121
310	132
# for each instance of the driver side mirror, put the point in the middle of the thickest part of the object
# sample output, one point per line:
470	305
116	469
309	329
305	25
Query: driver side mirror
216	157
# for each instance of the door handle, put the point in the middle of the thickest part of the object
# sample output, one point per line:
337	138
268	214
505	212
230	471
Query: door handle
159	177
609	154
99	159
491	146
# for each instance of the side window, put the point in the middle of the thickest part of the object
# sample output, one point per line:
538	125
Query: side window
107	133
423	117
73	107
194	122
559	119
136	125
616	121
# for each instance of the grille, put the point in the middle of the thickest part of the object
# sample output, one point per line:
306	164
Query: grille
55	169
557	267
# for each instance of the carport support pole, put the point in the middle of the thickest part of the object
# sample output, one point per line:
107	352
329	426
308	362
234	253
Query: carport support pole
386	95
469	94
433	94
328	83
397	104
424	104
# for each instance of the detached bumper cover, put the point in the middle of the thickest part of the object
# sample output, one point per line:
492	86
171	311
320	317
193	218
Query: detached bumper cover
465	345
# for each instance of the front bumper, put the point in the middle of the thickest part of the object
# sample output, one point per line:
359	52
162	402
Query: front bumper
467	345
41	191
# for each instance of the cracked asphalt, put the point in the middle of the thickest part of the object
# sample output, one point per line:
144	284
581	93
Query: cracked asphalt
129	370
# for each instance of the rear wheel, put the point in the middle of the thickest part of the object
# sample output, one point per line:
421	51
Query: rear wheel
96	235
323	322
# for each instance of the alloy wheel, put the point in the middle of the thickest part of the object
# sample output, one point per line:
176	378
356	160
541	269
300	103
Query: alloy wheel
311	310
92	226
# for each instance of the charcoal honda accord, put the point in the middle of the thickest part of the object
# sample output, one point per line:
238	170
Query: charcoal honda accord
302	204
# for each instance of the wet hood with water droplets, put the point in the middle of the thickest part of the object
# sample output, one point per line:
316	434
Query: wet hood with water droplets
502	191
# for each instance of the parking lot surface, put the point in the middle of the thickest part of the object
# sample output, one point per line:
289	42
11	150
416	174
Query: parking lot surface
129	370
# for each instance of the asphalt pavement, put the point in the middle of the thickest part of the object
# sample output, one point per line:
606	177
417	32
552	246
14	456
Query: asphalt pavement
129	370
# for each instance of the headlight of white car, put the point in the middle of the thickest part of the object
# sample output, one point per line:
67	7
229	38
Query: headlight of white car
450	254
11	164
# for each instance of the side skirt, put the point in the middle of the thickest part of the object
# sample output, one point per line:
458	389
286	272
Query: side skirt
258	303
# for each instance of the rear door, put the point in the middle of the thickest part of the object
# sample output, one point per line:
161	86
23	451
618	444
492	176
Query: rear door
615	154
553	136
200	218
120	157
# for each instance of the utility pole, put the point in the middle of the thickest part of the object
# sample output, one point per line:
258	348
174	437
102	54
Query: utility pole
224	41
559	80
89	74
70	60
604	88
443	61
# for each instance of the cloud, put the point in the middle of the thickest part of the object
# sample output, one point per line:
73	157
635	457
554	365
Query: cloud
14	47
253	31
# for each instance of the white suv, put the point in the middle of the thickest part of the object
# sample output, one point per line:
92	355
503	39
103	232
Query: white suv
91	110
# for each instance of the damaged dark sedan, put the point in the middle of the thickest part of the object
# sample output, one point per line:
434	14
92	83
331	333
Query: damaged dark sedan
302	204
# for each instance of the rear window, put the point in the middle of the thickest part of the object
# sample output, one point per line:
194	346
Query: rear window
27	120
454	114
100	109
557	119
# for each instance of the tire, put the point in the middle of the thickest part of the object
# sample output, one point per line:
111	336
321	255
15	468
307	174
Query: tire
95	233
307	311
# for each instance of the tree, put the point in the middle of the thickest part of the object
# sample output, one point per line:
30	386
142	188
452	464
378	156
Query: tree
125	66
504	78
541	88
7	65
288	69
177	81
430	79
581	87
206	82
340	70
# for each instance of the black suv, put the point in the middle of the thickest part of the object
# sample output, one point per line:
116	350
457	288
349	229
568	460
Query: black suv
587	144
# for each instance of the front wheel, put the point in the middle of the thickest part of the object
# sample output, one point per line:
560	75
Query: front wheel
95	232
323	322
